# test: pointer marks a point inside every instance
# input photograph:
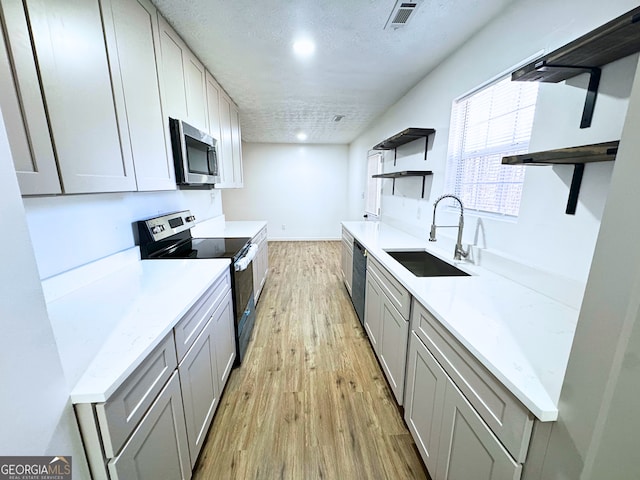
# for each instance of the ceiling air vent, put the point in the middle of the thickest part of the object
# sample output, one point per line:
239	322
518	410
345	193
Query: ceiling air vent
401	14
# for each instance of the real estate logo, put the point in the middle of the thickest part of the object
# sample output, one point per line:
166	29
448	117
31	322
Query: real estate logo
35	468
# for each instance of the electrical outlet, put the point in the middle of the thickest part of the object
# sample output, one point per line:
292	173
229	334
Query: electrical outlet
284	227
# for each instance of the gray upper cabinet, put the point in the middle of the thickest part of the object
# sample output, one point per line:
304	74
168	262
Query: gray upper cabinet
213	106
132	32
183	79
230	147
22	107
83	94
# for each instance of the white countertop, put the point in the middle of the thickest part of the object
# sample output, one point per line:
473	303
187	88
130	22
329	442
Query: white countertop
521	336
106	324
218	227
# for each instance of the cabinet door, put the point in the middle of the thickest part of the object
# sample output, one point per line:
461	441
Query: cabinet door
213	106
158	447
133	33
83	94
260	263
236	147
393	351
22	107
468	448
224	335
424	400
225	145
196	89
173	79
373	313
200	387
347	259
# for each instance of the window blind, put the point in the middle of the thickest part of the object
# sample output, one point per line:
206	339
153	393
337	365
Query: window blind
485	126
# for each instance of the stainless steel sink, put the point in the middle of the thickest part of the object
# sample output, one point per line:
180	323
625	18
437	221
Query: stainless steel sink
423	264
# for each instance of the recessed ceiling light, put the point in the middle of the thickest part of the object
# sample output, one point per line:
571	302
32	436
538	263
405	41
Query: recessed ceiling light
304	47
301	136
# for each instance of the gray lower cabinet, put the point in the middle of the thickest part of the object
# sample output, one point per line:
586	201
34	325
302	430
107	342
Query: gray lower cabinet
154	425
468	448
203	371
347	258
465	423
158	447
424	401
373	299
260	263
386	321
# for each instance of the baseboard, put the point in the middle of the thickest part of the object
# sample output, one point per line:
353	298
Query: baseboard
300	239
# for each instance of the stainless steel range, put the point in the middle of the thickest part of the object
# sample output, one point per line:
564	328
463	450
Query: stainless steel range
169	236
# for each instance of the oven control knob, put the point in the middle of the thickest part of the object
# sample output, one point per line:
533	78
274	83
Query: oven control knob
157	229
190	218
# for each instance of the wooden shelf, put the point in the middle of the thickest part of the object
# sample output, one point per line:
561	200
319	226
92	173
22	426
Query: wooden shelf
405	174
405	136
614	40
599	152
576	156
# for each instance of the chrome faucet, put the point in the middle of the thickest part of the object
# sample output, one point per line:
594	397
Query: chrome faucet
459	253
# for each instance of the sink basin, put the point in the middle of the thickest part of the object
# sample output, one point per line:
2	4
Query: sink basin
423	264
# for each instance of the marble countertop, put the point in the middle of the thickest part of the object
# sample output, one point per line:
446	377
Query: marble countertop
108	316
521	336
218	227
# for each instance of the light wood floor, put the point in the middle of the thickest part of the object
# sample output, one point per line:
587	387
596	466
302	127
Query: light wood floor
310	400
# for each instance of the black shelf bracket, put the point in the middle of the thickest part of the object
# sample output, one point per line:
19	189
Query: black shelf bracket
592	93
592	89
574	190
424	180
426	145
408	173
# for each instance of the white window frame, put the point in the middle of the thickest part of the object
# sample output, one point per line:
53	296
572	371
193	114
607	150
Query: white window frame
372	199
506	181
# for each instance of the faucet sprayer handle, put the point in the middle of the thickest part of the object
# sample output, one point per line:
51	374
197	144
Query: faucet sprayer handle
432	235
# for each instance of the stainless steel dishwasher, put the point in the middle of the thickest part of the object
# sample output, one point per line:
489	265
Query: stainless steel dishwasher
358	284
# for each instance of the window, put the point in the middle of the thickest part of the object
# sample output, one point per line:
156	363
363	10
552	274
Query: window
486	125
374	167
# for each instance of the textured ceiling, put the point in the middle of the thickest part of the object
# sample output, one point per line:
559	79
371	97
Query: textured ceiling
359	69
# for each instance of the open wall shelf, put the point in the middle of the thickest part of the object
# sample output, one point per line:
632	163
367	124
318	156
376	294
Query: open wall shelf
614	40
404	137
407	173
576	156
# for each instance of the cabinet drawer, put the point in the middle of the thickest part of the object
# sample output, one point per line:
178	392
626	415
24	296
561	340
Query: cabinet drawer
187	330
347	237
509	420
397	294
260	237
120	414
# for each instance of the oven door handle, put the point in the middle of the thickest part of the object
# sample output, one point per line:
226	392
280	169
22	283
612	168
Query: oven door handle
242	263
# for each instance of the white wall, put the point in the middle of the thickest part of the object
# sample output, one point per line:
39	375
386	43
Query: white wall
598	431
543	236
72	230
300	187
37	416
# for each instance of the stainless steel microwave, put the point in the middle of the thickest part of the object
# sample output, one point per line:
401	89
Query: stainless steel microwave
195	155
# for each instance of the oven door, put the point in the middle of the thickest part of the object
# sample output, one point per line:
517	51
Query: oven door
243	289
